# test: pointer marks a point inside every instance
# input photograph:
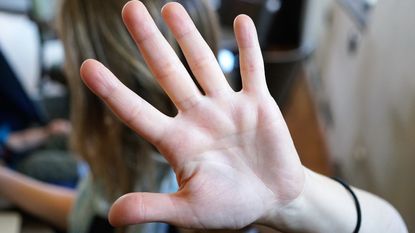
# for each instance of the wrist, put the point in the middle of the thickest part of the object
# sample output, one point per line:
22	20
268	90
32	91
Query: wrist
323	206
288	217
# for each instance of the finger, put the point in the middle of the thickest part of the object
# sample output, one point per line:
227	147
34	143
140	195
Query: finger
159	56
250	56
199	56
135	208
138	114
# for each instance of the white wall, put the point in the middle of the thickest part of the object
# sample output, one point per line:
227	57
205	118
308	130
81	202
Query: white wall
371	95
19	42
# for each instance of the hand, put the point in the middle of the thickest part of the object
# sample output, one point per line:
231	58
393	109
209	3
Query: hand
32	138
59	127
232	152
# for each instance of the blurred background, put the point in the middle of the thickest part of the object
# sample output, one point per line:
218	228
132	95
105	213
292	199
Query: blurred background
342	71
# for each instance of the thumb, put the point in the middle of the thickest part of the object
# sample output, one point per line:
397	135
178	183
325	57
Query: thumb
135	208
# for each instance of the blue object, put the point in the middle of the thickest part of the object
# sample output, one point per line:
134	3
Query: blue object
17	110
4	134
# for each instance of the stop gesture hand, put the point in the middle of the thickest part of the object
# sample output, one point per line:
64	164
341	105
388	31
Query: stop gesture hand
231	151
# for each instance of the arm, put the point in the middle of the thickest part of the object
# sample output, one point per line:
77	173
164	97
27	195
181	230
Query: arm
48	202
27	139
326	206
34	137
232	152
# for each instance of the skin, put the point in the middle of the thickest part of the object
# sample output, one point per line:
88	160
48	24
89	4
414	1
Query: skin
48	202
231	151
34	137
204	155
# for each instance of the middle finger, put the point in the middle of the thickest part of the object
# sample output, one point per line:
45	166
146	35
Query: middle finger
160	56
200	57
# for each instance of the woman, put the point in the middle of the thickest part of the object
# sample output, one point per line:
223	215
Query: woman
120	161
123	161
232	152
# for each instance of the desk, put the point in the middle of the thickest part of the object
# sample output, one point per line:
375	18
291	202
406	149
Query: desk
10	222
13	220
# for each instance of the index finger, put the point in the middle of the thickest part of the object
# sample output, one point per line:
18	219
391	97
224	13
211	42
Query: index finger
138	114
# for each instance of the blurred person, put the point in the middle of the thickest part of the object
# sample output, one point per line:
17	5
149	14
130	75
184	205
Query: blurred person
232	152
28	143
120	161
34	137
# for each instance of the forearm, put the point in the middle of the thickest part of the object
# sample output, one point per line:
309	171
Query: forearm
48	202
27	139
326	206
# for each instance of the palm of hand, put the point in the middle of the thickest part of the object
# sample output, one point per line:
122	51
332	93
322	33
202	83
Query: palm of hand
232	153
225	177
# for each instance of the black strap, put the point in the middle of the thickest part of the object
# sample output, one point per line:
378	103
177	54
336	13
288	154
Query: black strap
356	202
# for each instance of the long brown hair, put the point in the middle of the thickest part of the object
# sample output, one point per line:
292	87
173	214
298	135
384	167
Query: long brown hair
94	29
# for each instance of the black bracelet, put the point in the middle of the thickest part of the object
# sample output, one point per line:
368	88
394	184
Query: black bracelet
356	202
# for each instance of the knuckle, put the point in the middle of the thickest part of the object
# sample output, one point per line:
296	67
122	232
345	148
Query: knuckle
202	62
110	92
133	114
185	33
168	70
143	209
252	67
144	35
137	200
189	103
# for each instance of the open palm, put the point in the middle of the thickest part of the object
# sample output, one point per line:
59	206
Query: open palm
231	151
